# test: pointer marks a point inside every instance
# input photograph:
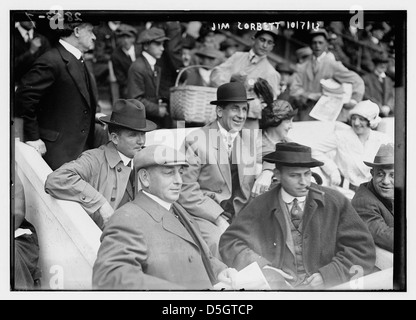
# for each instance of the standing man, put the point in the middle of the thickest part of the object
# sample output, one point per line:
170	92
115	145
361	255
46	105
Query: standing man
222	165
246	67
101	180
306	86
302	235
144	76
152	243
58	98
124	55
374	200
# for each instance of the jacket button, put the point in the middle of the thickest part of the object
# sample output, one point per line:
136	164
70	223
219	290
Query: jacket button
83	198
219	191
191	258
274	244
85	111
83	131
119	169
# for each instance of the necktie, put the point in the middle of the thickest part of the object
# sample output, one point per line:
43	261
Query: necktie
27	36
229	144
131	177
314	65
296	213
87	78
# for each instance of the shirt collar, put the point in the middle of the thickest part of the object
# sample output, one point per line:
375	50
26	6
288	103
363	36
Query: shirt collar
380	75
287	198
150	59
23	31
323	54
69	47
256	58
226	133
131	53
125	159
163	203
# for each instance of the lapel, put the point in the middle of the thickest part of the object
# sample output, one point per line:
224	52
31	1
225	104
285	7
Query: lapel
283	213
169	222
115	162
310	210
309	71
216	147
72	65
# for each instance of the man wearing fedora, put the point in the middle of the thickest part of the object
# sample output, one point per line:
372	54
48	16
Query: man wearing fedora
101	179
374	200
57	98
302	235
306	87
222	165
152	243
246	67
124	55
144	76
379	87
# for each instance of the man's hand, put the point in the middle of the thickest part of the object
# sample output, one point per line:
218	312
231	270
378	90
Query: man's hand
239	77
163	110
315	281
262	183
335	178
39	146
349	105
106	211
222	223
314	96
385	110
228	276
276	278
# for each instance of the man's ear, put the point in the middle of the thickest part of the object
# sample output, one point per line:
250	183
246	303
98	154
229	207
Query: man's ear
372	171
113	138
144	178
219	111
277	173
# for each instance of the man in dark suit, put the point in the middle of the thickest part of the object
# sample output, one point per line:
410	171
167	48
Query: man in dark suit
152	243
374	200
58	98
302	235
379	87
144	76
124	55
28	46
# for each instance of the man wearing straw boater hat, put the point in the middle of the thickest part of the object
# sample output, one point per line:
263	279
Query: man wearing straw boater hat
302	235
101	179
374	200
222	165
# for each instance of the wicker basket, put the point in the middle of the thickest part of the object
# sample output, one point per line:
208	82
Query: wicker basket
192	103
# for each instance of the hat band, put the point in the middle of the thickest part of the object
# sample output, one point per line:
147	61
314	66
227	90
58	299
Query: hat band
127	120
290	156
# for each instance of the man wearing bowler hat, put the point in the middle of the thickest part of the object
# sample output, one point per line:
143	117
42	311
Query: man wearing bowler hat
101	179
302	235
246	67
222	165
144	76
152	243
374	200
306	87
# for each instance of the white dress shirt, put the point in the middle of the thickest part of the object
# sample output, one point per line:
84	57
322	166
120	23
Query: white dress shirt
163	203
150	59
69	47
227	137
288	199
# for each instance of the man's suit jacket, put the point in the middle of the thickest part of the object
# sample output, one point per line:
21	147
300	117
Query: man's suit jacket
207	180
57	106
96	177
145	247
380	93
306	82
143	84
379	219
334	238
121	64
23	58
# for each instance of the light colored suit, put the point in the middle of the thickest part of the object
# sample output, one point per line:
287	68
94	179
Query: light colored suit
207	180
145	247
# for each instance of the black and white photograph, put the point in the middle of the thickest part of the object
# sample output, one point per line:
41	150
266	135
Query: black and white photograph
220	153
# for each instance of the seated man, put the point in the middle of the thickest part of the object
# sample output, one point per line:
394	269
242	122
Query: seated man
152	243
302	235
222	165
374	200
100	179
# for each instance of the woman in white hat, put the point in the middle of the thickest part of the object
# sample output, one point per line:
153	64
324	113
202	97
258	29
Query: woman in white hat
344	151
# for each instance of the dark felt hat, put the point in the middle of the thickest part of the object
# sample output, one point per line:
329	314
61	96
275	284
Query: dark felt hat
384	157
381	58
231	92
130	114
126	30
229	42
208	52
292	154
152	34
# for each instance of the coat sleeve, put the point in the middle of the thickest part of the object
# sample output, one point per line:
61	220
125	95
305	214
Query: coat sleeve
369	211
354	247
192	198
71	182
136	89
122	257
321	150
222	73
34	85
343	75
239	244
